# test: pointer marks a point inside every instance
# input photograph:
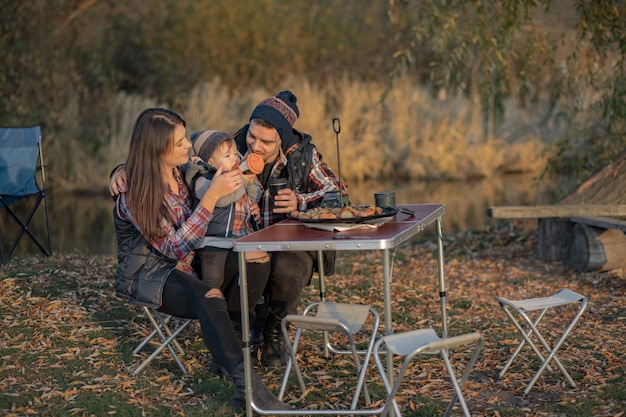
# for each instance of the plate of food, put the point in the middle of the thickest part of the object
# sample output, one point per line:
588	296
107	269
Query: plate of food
348	214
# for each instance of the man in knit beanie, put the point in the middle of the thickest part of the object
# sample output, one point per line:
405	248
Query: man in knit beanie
288	154
279	111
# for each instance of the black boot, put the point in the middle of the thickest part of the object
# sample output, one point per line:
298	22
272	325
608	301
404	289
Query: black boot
273	353
256	330
256	341
262	396
219	370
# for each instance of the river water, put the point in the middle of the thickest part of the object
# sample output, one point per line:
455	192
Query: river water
84	223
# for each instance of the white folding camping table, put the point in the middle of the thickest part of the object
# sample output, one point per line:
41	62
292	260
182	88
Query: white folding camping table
292	235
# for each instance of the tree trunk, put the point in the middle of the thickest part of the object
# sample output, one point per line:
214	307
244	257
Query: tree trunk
596	249
554	237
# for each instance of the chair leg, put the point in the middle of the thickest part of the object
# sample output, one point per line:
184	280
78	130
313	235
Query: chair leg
163	325
361	371
424	342
168	339
458	395
464	377
525	337
154	332
45	203
291	362
393	390
552	354
292	348
24	228
545	362
325	323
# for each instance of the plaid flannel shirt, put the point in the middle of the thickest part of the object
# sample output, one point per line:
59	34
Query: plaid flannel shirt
242	225
182	236
320	180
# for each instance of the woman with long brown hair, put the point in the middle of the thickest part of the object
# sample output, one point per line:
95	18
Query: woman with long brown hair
157	230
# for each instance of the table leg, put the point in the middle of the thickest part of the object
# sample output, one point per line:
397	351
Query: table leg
387	312
442	284
387	305
322	283
245	329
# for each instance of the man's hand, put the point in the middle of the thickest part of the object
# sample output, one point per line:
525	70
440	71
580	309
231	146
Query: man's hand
285	201
117	184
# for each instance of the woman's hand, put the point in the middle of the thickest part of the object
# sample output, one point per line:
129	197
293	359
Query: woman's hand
222	184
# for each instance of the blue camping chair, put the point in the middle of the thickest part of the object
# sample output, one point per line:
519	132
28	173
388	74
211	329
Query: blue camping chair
21	165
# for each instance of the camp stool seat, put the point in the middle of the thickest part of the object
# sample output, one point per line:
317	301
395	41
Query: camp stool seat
161	324
528	327
330	317
409	345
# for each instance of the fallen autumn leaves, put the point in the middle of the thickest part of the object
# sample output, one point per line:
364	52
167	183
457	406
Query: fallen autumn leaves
66	340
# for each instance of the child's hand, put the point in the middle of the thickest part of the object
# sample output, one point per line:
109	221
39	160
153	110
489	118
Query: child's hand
255	212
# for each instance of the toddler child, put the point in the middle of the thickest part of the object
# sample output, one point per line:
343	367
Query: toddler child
234	215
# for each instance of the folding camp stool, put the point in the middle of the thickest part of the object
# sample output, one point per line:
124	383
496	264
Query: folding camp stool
161	324
423	342
324	316
560	298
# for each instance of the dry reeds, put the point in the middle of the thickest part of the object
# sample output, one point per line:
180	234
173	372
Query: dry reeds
412	134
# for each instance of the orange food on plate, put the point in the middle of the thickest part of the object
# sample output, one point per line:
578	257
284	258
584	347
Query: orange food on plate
349	212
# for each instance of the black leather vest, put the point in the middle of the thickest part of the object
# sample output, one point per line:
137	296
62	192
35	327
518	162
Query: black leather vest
141	270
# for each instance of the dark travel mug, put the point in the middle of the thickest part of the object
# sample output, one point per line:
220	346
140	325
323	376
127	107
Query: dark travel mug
385	199
275	185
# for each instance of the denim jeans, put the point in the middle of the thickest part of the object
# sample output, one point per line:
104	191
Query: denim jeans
183	296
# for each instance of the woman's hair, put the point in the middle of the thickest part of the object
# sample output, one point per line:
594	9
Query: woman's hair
152	138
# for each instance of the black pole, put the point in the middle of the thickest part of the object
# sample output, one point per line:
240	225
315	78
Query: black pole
337	129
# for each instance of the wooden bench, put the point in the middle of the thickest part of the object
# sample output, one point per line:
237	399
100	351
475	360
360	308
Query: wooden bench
556	211
585	237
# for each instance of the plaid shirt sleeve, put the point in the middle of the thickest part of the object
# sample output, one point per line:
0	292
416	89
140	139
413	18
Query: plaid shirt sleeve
321	180
182	236
179	242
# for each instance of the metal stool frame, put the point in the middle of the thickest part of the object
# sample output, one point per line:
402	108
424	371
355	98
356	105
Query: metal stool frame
542	304
160	322
332	317
419	342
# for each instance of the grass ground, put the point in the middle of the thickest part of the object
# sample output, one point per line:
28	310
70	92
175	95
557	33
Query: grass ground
66	341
